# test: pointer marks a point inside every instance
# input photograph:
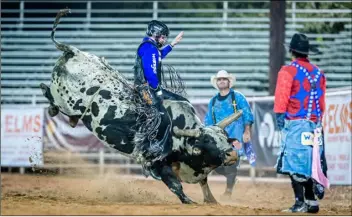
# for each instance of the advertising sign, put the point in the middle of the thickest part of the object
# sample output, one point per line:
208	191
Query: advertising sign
21	137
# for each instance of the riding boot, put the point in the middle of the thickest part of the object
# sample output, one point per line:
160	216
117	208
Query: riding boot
311	201
299	205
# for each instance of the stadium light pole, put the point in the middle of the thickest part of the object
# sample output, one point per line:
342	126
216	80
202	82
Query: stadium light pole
277	38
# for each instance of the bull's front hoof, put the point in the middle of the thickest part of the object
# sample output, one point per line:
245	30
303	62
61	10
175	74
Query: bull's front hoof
155	174
53	110
211	202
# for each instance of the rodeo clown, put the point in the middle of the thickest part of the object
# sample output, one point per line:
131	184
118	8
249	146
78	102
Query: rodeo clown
299	106
147	79
222	105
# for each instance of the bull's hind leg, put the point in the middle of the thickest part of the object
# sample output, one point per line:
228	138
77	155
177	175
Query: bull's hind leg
208	196
171	181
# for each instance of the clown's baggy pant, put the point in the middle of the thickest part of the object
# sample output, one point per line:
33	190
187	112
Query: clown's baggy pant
296	158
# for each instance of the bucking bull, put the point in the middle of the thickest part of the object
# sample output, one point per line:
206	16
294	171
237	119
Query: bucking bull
85	87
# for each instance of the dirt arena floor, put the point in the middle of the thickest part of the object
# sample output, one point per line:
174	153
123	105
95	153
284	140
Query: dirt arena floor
45	194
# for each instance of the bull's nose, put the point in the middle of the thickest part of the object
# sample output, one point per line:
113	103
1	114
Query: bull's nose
231	158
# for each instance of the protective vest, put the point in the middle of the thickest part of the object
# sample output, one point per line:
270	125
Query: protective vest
138	68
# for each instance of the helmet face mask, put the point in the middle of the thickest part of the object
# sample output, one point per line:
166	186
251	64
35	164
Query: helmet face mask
159	30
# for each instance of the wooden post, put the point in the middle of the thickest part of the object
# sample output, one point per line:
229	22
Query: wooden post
277	38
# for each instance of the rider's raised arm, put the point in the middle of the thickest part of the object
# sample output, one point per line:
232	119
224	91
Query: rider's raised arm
167	49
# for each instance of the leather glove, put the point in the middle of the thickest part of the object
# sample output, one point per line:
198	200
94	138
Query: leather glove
143	90
280	120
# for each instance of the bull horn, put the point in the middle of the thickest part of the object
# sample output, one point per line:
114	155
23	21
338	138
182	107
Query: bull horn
224	123
187	132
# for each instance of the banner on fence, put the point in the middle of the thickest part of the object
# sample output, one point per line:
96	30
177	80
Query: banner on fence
265	135
59	135
337	135
21	137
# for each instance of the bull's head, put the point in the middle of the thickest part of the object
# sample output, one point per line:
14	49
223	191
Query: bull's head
212	142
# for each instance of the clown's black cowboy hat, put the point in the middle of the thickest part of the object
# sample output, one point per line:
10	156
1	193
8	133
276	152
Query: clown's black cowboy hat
300	44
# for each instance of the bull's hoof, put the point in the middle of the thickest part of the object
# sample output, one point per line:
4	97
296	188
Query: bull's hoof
155	174
211	202
53	110
44	89
73	121
188	201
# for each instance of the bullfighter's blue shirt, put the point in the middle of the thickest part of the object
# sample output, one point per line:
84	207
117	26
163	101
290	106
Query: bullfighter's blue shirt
223	107
151	58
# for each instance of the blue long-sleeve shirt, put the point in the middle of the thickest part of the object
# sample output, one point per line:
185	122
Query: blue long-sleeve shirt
151	58
224	108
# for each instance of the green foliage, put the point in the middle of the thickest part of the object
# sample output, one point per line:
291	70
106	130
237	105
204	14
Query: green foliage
309	27
322	27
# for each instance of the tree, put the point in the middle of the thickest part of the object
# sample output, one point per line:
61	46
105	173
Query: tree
277	38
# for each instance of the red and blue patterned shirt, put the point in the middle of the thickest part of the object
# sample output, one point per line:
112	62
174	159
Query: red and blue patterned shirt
288	86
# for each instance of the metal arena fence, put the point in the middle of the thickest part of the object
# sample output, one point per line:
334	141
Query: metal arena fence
223	37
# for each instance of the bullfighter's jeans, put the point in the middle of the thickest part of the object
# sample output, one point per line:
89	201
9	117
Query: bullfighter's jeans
295	158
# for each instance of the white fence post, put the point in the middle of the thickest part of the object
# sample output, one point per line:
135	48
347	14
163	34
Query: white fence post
129	168
20	26
252	173
224	14
89	14
293	15
101	161
155	10
34	99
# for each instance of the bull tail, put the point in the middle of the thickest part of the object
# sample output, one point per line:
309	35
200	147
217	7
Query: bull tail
58	45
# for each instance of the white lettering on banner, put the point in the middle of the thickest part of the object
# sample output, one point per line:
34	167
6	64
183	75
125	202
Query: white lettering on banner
21	137
337	125
267	132
154	63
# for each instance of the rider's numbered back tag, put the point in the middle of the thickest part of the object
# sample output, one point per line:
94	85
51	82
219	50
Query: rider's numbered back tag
307	138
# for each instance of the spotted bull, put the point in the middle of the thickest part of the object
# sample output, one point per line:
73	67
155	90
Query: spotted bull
85	87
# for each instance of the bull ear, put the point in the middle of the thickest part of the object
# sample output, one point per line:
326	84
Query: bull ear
188	132
224	123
